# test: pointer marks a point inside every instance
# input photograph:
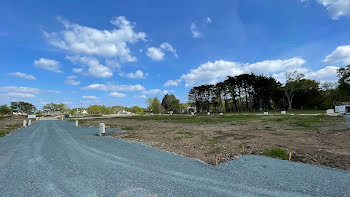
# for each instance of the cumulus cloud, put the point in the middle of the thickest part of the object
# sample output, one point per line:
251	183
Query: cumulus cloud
340	55
172	83
117	94
23	75
155	53
336	8
155	91
48	64
80	39
19	92
70	80
20	95
213	72
140	96
328	73
77	70
54	91
95	87
195	32
125	88
89	97
95	68
137	75
158	54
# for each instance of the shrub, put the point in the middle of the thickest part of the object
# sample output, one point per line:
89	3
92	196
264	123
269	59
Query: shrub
276	153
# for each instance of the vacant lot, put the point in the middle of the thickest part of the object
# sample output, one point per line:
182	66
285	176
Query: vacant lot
9	124
315	139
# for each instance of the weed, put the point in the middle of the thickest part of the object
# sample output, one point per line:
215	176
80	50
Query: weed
127	128
275	153
184	133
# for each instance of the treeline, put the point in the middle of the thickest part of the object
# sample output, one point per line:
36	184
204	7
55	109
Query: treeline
250	92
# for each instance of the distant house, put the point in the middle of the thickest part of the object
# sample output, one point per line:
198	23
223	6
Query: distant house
18	112
82	112
342	107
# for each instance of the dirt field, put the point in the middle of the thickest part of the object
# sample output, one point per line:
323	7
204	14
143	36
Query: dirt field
10	124
320	140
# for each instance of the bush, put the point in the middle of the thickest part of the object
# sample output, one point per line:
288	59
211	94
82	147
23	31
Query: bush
276	153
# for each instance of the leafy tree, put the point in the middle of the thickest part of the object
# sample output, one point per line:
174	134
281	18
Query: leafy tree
136	109
56	107
156	106
293	84
183	107
23	107
170	103
344	83
5	110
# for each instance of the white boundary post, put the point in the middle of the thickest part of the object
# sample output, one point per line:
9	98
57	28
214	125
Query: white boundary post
76	123
102	129
24	123
29	122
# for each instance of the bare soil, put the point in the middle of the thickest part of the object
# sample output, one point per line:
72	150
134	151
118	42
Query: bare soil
328	146
9	124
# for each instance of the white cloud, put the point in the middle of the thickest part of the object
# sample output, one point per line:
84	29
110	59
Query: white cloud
137	75
195	32
96	87
158	54
155	91
213	72
23	75
328	73
272	66
48	64
89	97
155	53
340	55
207	20
80	39
20	95
117	94
19	89
95	68
54	91
140	96
72	82
172	83
166	46
20	92
125	88
336	8
77	70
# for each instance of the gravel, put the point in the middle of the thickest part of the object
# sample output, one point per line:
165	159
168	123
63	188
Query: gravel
54	158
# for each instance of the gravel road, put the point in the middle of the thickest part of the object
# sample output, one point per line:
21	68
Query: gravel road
53	158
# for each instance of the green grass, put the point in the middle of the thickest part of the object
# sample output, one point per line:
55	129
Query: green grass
192	119
276	153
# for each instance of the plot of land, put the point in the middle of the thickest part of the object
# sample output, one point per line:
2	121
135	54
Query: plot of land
315	139
10	124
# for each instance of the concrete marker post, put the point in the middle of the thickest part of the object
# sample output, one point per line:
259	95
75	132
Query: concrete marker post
24	123
76	123
290	156
29	122
102	129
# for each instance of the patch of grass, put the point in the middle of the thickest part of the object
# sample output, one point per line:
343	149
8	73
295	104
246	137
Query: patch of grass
217	149
82	121
127	128
276	153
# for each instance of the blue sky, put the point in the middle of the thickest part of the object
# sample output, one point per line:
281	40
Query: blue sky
123	52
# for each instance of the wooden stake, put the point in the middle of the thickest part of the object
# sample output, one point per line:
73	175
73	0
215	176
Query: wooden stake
216	159
290	156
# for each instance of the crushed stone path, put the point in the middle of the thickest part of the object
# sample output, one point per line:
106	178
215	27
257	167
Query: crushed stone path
54	158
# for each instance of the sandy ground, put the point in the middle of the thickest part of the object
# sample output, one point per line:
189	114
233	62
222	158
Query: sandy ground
230	140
